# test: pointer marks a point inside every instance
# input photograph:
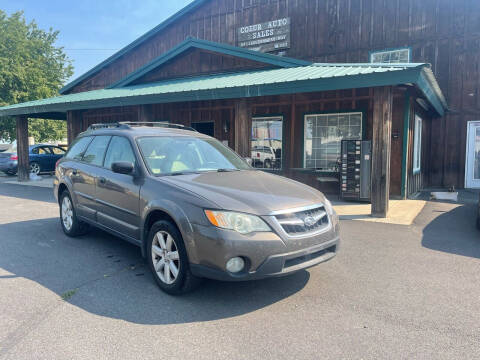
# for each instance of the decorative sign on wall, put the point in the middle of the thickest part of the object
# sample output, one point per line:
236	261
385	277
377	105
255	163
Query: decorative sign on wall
265	37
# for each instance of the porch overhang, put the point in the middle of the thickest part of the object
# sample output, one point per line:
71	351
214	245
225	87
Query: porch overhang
300	79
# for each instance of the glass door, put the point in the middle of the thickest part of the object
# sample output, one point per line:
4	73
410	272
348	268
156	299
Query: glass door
472	166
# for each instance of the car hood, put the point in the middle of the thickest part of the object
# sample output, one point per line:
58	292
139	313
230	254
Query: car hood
249	191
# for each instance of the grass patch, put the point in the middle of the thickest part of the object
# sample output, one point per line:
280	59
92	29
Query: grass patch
68	294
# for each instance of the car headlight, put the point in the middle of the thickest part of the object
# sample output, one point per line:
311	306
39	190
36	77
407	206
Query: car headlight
242	223
328	206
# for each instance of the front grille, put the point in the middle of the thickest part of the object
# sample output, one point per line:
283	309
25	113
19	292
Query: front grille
304	258
303	222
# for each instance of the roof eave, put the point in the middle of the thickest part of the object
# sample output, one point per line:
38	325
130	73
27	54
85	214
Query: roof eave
430	88
211	46
299	86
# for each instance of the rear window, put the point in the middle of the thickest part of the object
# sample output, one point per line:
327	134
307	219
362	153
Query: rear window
78	148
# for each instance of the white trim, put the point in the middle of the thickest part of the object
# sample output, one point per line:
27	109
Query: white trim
417	144
467	184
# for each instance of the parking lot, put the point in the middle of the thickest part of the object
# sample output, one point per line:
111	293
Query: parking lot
393	292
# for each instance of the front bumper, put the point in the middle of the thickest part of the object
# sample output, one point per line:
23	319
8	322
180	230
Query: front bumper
275	265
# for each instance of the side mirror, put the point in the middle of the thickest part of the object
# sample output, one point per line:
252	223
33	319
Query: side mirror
249	161
122	167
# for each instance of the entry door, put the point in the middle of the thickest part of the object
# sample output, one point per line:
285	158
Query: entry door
472	166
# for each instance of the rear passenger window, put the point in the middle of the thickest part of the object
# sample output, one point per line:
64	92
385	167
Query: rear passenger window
96	150
119	150
78	148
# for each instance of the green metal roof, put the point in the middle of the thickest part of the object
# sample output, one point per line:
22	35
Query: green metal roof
311	78
190	43
190	7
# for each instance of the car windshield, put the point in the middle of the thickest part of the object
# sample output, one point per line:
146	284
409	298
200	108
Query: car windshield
183	155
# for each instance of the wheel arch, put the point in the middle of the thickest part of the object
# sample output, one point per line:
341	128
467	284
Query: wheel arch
176	216
65	185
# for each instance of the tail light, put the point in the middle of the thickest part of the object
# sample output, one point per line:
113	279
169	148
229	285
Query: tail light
258	155
56	164
13	157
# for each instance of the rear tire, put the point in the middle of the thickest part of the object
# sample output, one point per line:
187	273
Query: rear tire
35	168
68	217
168	260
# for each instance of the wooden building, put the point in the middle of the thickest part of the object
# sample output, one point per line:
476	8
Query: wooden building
285	80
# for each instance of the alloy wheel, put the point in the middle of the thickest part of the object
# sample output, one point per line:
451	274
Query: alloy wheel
67	213
34	168
166	260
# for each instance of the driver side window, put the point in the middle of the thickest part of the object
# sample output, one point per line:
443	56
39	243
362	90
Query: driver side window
119	149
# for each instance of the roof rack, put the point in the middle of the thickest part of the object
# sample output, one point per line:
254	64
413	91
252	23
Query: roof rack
129	125
156	124
105	126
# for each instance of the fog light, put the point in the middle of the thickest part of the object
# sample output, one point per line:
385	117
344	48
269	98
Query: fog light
235	264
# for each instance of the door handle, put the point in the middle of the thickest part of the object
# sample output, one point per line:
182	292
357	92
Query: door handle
102	180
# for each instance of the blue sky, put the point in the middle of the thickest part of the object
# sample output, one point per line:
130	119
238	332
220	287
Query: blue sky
91	31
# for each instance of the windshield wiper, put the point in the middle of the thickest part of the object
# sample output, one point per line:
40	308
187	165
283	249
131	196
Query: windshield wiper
182	173
227	170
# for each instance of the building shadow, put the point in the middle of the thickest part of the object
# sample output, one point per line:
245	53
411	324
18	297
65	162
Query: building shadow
27	192
453	231
106	276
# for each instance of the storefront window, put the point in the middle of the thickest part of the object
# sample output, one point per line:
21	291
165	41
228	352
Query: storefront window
323	138
417	144
267	142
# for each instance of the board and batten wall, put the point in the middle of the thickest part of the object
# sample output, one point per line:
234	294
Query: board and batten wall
444	33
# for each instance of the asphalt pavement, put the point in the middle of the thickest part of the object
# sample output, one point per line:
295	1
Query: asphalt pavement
393	292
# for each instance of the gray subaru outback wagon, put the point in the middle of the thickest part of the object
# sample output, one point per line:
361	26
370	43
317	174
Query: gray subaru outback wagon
194	207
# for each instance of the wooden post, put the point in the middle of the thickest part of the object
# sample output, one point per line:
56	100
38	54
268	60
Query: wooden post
381	149
74	125
243	113
292	134
145	113
23	168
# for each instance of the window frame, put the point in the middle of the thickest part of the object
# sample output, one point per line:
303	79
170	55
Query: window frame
363	114
52	147
132	147
90	143
81	153
389	50
270	116
417	144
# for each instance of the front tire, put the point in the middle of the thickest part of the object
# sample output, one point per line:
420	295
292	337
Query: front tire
168	260
68	217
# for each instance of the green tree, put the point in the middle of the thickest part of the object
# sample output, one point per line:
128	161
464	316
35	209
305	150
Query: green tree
31	67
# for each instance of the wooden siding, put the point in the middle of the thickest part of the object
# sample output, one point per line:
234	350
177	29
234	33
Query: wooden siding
222	113
200	62
444	33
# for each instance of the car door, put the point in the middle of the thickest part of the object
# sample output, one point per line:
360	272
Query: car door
56	153
81	179
88	170
46	158
117	195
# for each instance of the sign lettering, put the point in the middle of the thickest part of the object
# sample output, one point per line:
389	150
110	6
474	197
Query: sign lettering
265	37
